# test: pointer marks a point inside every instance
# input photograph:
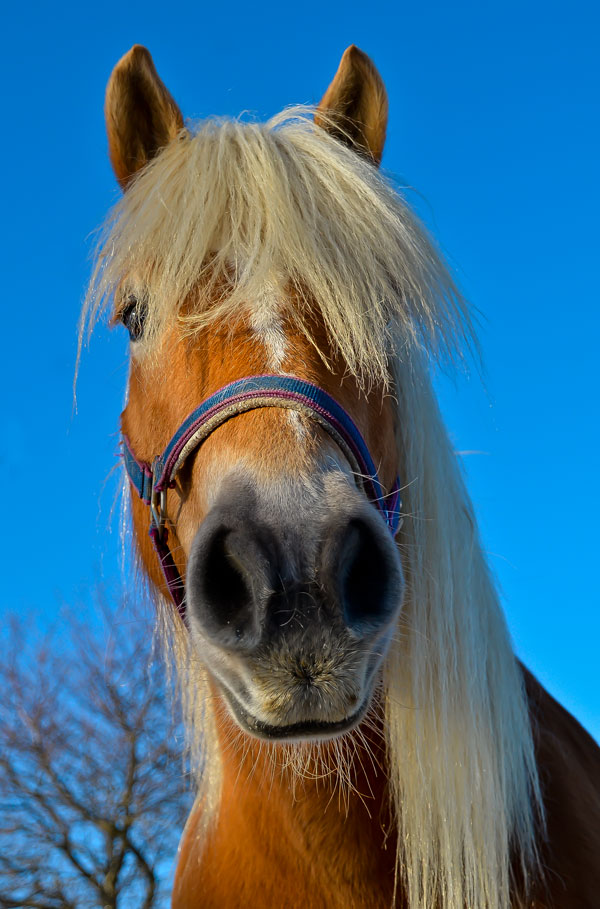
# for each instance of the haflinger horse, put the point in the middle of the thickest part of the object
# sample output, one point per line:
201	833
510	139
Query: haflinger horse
363	733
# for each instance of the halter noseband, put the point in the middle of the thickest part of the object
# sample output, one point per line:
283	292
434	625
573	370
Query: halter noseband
152	481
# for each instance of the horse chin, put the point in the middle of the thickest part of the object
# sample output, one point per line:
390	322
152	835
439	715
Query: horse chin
315	730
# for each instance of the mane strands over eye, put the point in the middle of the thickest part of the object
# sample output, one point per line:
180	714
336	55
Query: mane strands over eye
233	208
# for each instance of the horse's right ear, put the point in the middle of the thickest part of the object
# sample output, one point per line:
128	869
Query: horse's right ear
141	116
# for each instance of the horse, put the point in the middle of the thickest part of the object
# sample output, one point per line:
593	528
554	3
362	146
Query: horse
362	731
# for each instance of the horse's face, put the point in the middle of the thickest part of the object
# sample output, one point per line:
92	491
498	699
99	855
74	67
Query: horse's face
293	580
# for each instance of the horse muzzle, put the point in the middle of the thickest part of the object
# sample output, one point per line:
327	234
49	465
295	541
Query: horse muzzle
292	606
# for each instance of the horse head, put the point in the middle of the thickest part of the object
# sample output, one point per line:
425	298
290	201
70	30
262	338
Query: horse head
293	580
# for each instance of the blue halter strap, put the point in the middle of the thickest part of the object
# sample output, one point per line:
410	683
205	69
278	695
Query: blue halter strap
152	481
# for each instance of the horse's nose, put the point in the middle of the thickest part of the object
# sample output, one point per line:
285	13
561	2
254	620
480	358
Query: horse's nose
241	570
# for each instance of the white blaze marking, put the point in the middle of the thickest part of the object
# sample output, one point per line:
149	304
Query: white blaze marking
268	327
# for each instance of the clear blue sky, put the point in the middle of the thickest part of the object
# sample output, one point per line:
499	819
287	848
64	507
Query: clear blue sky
494	119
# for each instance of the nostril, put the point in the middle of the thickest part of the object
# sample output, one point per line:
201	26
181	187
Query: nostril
224	587
367	577
228	581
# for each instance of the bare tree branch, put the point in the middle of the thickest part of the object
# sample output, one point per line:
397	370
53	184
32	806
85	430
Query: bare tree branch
91	772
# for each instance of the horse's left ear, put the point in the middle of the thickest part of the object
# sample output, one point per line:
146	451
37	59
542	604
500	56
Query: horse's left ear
141	116
356	105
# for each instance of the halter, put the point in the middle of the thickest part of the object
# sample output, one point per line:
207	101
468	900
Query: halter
152	481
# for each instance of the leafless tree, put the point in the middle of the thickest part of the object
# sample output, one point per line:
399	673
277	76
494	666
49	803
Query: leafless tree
92	790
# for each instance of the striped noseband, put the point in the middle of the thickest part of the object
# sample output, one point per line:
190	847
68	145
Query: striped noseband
152	481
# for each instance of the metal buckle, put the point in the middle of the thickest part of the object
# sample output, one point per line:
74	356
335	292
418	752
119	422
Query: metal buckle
158	506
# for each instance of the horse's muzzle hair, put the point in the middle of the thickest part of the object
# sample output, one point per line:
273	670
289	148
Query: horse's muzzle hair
293	608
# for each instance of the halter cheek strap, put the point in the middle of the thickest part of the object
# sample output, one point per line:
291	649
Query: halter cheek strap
152	482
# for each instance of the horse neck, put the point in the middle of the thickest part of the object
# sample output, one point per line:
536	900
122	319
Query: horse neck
324	834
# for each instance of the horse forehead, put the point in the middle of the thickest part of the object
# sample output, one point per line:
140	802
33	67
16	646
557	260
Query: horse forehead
264	339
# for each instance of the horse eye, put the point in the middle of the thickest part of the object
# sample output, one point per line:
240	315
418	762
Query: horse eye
133	317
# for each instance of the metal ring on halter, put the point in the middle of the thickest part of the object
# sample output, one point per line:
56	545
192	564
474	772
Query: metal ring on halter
158	506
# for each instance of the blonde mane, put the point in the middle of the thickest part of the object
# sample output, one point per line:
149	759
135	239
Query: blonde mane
234	208
237	207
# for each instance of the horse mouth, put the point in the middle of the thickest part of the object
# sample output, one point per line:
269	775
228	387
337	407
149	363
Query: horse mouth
303	730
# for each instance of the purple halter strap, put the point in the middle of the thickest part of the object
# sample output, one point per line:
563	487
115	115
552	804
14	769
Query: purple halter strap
152	482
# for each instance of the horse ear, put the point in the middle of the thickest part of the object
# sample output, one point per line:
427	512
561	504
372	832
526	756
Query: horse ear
141	116
356	105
